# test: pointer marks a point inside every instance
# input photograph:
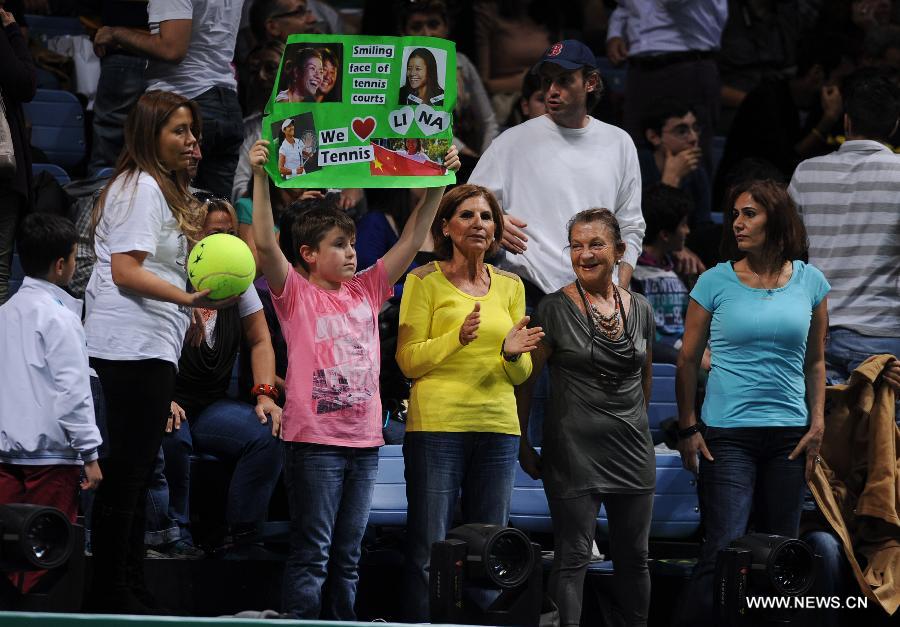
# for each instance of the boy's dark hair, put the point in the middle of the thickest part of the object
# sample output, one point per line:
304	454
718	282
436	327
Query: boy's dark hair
664	207
407	9
44	238
312	219
872	102
655	118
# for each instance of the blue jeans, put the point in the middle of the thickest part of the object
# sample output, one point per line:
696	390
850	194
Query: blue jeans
121	84
329	494
750	467
231	431
168	507
222	136
846	349
437	466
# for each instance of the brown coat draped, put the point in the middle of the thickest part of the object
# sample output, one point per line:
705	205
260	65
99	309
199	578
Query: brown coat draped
857	484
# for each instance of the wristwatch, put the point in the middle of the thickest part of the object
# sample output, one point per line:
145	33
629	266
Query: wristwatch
687	432
264	389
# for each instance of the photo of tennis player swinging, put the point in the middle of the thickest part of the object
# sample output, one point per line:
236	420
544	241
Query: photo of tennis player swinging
297	149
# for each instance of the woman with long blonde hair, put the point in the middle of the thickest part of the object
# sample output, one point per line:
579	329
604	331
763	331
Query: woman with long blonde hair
137	314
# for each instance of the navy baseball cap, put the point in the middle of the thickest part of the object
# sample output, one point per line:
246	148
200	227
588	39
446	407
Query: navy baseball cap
569	54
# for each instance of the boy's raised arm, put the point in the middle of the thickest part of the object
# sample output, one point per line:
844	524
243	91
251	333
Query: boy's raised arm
272	262
398	258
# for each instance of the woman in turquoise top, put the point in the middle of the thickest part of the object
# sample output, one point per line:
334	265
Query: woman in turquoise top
764	313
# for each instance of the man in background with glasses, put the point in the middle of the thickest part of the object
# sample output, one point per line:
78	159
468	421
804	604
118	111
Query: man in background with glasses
672	156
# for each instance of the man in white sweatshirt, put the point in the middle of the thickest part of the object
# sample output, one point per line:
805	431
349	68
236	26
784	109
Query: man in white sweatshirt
47	429
547	169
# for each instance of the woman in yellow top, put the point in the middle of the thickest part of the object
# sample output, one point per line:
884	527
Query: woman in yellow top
464	342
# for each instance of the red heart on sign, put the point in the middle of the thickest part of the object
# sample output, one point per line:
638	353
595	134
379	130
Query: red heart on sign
363	127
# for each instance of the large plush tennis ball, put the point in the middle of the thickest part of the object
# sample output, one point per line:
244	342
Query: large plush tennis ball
223	264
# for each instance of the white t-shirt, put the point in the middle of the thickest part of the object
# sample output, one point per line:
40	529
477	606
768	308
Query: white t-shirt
544	174
121	325
207	64
293	155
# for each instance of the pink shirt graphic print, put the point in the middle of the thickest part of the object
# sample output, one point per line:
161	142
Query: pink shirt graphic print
333	359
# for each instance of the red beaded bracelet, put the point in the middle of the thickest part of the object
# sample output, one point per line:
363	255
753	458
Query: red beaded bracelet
264	388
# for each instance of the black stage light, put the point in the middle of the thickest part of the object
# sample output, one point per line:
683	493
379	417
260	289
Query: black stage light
472	564
759	565
33	537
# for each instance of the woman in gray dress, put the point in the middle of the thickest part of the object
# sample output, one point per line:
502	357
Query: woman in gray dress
597	447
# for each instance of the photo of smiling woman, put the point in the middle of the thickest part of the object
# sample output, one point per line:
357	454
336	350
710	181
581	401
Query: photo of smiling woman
422	80
304	75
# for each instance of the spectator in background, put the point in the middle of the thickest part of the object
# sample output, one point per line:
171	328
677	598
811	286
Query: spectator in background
786	121
278	19
845	23
881	47
203	419
190	46
121	82
848	201
474	123
510	36
759	43
531	101
666	210
259	80
674	157
670	48
17	85
547	169
46	409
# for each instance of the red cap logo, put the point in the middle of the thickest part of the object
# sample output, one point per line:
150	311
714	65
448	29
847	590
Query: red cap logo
555	50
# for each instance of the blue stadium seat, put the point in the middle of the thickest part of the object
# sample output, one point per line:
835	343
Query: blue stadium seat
676	508
103	173
57	126
676	511
44	27
389	500
61	176
662	399
528	508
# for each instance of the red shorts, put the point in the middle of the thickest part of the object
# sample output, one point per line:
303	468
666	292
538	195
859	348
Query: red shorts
54	486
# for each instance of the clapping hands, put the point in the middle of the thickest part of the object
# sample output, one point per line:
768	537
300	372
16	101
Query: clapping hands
521	339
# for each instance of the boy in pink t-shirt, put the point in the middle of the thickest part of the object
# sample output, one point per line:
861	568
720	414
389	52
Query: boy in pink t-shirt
331	424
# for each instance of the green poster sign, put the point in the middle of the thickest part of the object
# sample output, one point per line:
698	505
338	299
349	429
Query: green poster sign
354	111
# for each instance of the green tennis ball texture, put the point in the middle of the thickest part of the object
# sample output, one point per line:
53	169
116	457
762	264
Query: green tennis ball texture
223	264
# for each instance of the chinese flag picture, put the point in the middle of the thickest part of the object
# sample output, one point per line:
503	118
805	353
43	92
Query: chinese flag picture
389	163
